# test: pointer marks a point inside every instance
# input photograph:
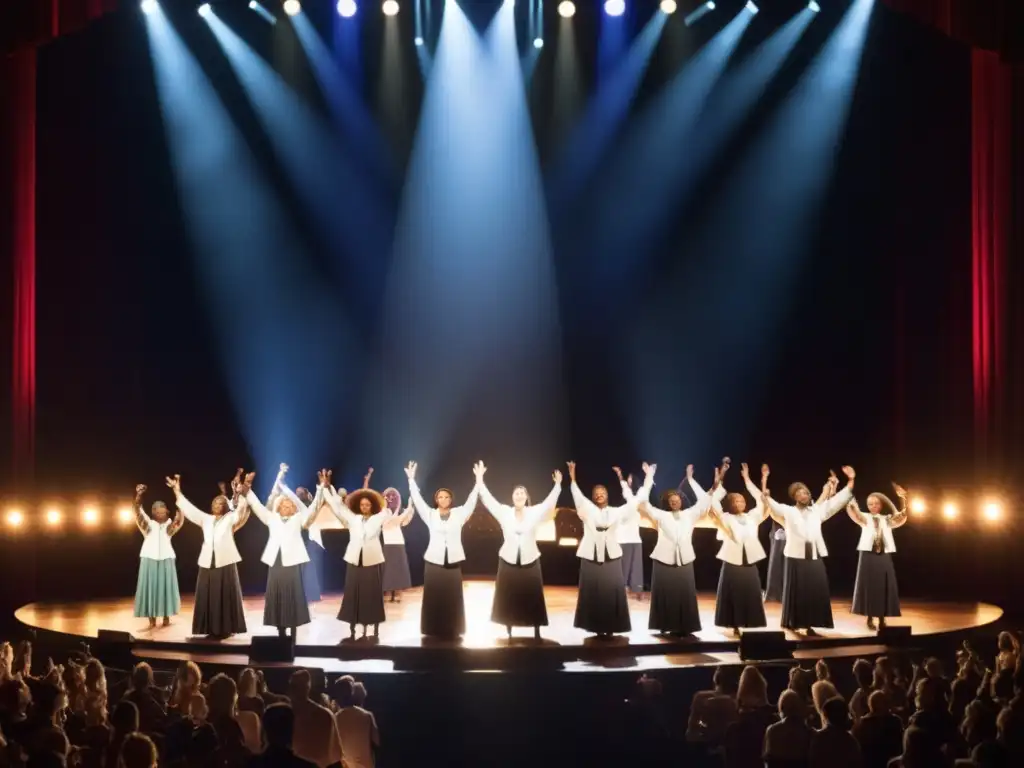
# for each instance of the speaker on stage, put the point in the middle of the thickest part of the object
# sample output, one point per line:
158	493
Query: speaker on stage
270	648
765	646
113	636
894	635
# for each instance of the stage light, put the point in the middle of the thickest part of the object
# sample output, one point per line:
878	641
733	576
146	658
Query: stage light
752	8
993	511
390	8
568	542
813	7
917	506
710	5
292	7
125	515
538	43
566	9
950	510
615	7
418	41
15	519
53	518
668	7
205	9
149	6
90	516
347	8
267	15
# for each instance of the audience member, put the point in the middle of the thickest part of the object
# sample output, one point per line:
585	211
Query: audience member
879	732
833	746
139	751
278	733
787	742
357	727
316	734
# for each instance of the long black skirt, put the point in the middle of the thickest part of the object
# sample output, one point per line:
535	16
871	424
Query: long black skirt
218	610
311	570
601	605
773	588
443	613
285	603
805	600
739	602
363	601
875	592
633	566
396	568
674	600
519	596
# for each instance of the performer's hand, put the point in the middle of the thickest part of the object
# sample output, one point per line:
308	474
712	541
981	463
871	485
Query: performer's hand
649	469
848	471
283	470
618	473
238	477
689	471
901	492
139	490
223	488
174	483
479	469
726	463
410	470
557	476
572	470
745	471
718	478
366	477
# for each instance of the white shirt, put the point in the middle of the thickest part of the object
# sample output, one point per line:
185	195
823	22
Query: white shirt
357	728
628	529
804	526
316	734
519	530
393	528
364	533
156	542
675	529
599	535
285	533
314	532
219	547
872	525
445	535
742	535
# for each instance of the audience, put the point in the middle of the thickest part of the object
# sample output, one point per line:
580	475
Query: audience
712	711
879	732
833	746
139	751
316	735
744	738
278	731
787	743
357	727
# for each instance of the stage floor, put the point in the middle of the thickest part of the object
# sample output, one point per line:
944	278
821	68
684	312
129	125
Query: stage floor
401	630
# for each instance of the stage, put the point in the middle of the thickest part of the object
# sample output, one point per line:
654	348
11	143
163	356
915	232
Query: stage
324	643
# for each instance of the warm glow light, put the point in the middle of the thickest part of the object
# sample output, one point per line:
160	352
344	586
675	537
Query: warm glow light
90	516
125	515
53	518
566	9
917	506
15	519
292	7
993	511
567	542
390	8
668	6
950	510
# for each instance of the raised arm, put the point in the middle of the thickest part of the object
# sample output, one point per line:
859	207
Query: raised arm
829	489
855	513
547	508
584	506
141	518
717	516
841	499
414	494
900	518
192	513
491	504
311	512
337	506
257	507
717	492
177	523
406	517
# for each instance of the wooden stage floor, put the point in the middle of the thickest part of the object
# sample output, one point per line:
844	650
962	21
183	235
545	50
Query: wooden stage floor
401	630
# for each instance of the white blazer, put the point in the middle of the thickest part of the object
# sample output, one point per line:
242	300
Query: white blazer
445	535
364	533
285	534
156	542
393	528
675	529
520	533
872	524
599	534
804	527
219	547
740	534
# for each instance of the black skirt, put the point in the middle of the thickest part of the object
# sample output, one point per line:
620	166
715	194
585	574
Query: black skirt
519	596
218	610
396	568
633	566
363	601
739	602
674	599
776	569
805	600
601	605
875	592
285	603
311	570
443	613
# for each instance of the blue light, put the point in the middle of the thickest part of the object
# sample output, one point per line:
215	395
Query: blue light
813	7
418	41
149	6
538	43
615	7
710	4
204	9
752	8
347	8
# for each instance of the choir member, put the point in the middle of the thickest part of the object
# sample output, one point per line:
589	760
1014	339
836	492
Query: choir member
519	587
363	512
311	533
601	605
156	593
776	558
218	610
875	592
396	562
285	605
627	533
805	601
673	589
443	613
739	601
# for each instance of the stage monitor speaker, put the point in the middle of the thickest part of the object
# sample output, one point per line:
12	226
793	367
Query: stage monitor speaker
113	636
765	646
268	648
894	635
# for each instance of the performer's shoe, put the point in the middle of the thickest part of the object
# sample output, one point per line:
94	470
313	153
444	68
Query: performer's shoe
536	633
881	624
811	632
508	628
167	621
871	624
152	622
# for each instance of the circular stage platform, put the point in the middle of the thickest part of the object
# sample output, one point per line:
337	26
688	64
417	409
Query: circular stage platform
485	645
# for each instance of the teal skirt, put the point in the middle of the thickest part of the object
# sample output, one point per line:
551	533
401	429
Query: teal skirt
156	594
